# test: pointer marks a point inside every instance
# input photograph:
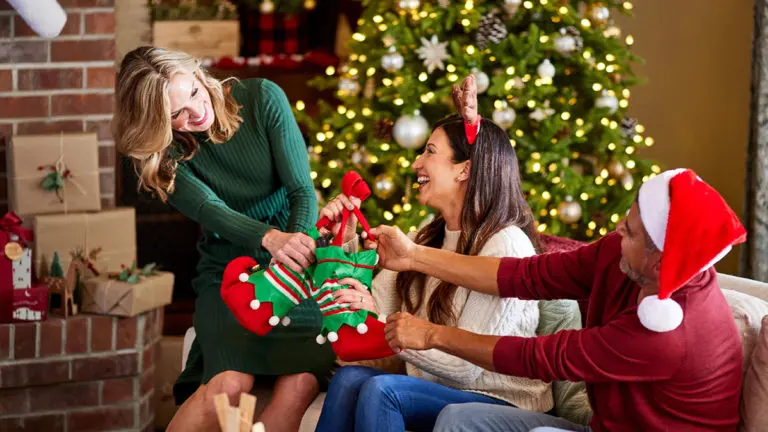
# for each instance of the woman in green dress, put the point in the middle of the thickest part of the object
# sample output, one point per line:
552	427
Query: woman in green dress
230	156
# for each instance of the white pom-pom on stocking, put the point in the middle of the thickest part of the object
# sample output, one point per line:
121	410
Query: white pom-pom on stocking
333	336
255	304
362	328
320	339
660	315
243	277
286	321
44	17
274	320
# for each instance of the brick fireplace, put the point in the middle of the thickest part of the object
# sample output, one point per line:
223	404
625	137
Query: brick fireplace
61	85
86	373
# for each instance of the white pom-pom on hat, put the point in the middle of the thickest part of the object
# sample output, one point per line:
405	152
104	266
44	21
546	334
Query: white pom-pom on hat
286	321
243	277
255	304
660	315
320	339
274	320
333	337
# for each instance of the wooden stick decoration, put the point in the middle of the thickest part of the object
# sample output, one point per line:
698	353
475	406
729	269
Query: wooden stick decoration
237	419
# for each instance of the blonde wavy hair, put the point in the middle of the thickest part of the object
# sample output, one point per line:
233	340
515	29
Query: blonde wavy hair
142	120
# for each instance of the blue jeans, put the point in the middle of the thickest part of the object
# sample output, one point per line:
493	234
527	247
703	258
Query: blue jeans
479	417
364	399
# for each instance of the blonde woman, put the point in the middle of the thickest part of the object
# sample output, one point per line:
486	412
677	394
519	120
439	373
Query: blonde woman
230	156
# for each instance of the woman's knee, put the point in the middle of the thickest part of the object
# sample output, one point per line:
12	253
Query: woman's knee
231	383
381	386
351	377
452	416
303	383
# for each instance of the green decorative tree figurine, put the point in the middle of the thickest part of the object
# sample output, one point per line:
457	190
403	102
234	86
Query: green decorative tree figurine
556	74
56	270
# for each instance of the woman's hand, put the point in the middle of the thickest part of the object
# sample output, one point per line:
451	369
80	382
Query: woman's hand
396	251
334	210
295	250
356	296
405	331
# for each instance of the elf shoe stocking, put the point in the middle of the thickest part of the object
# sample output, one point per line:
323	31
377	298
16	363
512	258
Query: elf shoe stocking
262	300
354	335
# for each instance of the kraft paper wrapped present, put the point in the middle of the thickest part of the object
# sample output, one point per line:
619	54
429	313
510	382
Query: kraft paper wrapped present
57	173
112	231
108	296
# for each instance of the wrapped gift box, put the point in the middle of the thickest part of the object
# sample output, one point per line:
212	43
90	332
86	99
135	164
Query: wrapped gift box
107	296
53	173
210	38
30	304
112	231
15	263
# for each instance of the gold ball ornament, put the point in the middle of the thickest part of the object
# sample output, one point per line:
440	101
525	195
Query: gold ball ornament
359	157
310	4
615	168
348	87
598	13
266	7
383	186
569	211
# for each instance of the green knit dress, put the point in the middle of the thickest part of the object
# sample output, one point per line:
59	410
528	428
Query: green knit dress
237	191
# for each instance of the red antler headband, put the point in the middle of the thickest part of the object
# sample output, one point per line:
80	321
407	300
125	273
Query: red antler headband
472	129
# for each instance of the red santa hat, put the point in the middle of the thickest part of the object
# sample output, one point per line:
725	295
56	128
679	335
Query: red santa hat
693	227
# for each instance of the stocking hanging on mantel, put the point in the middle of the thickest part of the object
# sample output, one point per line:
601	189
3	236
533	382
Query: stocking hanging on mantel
44	17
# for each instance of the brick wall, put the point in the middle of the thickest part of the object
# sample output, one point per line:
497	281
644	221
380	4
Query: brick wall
86	373
65	84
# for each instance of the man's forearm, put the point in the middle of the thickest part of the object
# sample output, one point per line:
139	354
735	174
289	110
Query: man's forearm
472	347
478	273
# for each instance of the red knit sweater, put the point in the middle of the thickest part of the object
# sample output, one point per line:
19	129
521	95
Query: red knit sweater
688	379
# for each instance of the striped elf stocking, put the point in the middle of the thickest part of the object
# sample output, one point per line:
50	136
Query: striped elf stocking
354	335
262	300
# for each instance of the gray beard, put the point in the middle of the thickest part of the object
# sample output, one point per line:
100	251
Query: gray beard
627	270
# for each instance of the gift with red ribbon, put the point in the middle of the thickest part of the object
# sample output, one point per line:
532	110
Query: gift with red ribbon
16	285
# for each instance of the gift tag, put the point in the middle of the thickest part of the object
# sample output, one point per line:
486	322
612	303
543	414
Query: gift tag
22	270
13	250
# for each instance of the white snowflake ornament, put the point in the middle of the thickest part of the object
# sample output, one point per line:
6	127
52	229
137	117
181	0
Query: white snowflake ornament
433	52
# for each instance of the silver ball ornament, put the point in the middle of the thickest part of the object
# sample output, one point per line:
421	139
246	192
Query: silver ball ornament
393	61
609	101
569	211
546	69
504	117
511	6
348	87
408	5
482	80
411	131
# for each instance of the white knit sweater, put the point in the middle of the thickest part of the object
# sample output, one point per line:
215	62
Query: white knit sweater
477	313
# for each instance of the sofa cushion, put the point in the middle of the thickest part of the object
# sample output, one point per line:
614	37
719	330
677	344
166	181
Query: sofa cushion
748	312
754	415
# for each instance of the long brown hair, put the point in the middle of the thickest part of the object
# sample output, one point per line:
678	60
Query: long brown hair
493	201
142	120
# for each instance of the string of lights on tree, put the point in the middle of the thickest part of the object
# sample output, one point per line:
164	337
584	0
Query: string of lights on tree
556	74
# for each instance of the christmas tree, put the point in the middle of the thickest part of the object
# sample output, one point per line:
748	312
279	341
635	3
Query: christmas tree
556	74
56	270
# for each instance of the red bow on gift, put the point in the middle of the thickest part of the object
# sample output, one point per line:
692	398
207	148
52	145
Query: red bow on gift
11	223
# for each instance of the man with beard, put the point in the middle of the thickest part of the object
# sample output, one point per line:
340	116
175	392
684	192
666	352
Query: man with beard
660	349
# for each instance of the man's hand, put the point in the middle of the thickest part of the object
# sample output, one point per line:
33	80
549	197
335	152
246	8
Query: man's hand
405	331
396	251
295	250
465	99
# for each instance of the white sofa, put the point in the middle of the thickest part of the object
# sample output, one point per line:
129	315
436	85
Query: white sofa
727	282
